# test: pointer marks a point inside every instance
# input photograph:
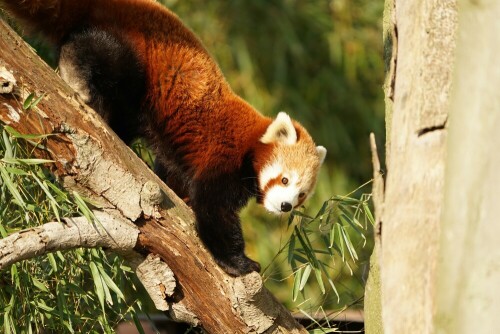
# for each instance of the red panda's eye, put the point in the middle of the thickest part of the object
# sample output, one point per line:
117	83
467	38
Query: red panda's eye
284	181
301	195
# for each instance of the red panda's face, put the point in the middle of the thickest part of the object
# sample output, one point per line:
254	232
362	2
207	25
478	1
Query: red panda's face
288	179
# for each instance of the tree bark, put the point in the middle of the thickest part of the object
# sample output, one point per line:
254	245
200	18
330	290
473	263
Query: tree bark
419	37
90	159
468	274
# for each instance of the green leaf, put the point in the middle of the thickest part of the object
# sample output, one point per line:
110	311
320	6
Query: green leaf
9	153
15	276
305	277
98	286
15	134
341	242
39	284
299	258
16	171
332	235
321	211
334	289
52	261
41	304
296	283
45	189
83	207
7	323
62	307
319	278
18	161
27	101
348	221
291	248
349	245
110	283
34	104
305	246
12	188
368	213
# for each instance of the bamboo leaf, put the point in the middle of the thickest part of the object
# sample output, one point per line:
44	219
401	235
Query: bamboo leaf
291	248
52	261
16	171
83	207
27	101
12	188
98	286
341	242
332	235
110	283
319	278
39	284
33	161
368	213
296	283
305	277
349	245
9	153
334	289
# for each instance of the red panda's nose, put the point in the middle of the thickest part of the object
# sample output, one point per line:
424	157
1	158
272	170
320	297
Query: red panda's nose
286	207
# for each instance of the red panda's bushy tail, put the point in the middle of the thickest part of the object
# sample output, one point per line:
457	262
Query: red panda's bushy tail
53	18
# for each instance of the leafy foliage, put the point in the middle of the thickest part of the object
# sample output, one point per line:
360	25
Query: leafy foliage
74	291
317	241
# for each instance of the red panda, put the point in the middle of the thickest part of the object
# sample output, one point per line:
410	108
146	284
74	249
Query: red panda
146	74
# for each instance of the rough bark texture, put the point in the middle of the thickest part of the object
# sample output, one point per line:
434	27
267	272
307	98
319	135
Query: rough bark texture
468	297
92	160
110	232
419	73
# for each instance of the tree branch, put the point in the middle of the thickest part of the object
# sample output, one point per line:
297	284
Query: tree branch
108	231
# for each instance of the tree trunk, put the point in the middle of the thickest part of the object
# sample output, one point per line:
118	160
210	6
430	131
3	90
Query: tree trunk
468	273
419	38
93	161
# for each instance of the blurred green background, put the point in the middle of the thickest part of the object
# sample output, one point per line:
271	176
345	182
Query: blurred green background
320	61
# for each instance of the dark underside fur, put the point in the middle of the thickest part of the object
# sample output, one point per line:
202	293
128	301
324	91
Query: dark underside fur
114	78
116	83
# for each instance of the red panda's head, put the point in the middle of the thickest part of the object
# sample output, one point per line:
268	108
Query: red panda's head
288	176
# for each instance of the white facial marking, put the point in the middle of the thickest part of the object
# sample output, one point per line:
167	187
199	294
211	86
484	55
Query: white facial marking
268	173
278	194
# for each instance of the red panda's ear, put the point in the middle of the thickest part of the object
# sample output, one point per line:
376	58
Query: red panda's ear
280	131
321	153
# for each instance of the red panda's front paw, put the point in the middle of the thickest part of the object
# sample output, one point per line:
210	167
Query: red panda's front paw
238	265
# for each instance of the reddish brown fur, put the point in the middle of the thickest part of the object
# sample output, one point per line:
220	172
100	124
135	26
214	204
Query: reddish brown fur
179	70
205	135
